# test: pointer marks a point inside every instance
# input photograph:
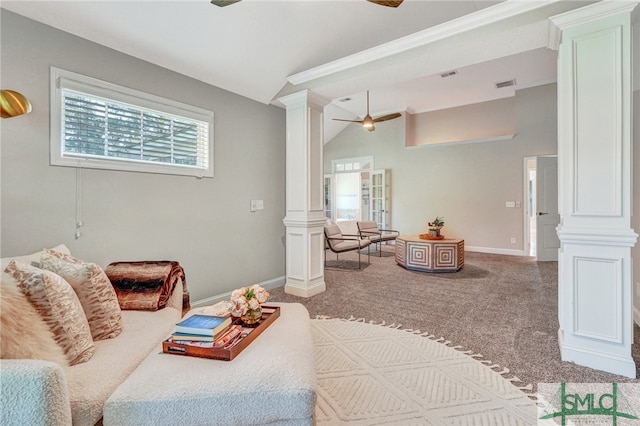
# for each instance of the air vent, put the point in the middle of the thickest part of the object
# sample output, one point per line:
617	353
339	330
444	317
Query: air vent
505	84
345	99
448	73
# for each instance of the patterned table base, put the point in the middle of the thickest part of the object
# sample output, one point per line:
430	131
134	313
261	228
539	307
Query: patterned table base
429	255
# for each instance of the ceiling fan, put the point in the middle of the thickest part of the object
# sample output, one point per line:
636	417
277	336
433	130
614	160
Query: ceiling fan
388	3
369	122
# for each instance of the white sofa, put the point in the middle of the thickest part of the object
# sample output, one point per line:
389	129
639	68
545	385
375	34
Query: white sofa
36	392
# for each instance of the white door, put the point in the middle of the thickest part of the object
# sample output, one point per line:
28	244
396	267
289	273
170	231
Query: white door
547	216
379	211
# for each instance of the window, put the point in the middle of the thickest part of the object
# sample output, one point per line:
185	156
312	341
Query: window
96	124
348	165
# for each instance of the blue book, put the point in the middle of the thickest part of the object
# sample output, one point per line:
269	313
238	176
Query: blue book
203	325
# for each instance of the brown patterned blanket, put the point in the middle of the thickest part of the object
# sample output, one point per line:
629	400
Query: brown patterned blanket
146	285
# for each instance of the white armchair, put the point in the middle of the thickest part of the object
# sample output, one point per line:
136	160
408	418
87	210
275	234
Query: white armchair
338	242
370	230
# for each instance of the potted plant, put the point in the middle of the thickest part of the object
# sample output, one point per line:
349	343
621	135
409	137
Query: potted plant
435	226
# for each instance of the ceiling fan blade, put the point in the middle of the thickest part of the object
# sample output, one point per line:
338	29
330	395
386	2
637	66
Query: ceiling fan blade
350	121
388	3
223	3
387	117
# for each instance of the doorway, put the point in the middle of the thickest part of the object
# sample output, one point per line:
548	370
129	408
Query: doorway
541	217
530	210
348	196
356	191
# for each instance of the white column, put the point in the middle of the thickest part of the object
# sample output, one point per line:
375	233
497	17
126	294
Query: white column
595	304
305	218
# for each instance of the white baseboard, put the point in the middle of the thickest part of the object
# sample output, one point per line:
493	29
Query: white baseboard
624	366
267	285
491	250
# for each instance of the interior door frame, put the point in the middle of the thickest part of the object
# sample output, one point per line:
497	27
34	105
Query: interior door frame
384	212
526	238
549	217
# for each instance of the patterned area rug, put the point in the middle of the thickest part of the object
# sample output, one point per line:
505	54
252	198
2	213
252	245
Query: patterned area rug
371	374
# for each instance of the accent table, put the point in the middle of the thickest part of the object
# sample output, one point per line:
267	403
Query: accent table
415	253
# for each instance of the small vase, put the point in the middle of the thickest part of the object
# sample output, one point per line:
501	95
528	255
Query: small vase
252	316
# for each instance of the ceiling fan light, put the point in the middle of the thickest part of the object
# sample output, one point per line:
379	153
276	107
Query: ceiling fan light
371	129
367	123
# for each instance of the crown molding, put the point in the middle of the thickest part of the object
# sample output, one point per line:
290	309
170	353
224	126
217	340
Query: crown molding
483	17
585	14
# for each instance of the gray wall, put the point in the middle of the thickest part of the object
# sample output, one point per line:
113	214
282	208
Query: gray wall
204	224
467	183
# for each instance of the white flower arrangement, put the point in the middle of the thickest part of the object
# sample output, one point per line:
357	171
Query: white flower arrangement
246	298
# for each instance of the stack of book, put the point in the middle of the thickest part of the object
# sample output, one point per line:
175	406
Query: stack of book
209	331
224	343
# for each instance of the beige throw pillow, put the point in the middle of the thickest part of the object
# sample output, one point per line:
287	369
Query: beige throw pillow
59	307
96	294
23	333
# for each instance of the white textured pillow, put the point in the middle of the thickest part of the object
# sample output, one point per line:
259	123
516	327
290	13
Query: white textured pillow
23	333
96	294
33	257
57	303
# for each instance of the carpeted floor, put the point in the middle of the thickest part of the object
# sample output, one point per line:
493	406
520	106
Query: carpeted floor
503	307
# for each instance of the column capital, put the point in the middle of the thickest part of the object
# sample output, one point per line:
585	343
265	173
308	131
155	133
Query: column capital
599	10
304	98
601	237
304	222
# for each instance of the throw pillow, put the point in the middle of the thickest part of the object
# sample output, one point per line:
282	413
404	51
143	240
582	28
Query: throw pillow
59	307
23	333
31	258
96	294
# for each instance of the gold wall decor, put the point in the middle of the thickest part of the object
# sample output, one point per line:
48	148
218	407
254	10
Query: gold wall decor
13	104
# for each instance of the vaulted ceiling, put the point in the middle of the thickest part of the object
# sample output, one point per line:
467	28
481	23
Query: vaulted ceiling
264	49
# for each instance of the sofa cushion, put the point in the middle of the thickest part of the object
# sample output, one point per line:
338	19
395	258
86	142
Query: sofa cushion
94	290
23	333
91	383
58	305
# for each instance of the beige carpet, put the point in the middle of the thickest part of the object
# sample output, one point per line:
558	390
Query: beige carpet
372	374
504	307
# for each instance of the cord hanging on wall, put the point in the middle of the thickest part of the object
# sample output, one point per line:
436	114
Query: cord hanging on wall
79	223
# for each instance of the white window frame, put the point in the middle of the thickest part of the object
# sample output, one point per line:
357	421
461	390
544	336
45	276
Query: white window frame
62	79
352	165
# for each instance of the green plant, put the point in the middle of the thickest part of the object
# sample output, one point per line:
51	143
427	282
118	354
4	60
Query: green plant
438	222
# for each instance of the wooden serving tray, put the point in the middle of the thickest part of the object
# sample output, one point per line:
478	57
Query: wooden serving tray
430	237
222	353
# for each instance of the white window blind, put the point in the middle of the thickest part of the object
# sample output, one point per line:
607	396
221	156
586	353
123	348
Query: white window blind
102	125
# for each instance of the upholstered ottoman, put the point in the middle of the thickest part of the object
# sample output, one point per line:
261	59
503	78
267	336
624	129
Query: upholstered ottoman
273	381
